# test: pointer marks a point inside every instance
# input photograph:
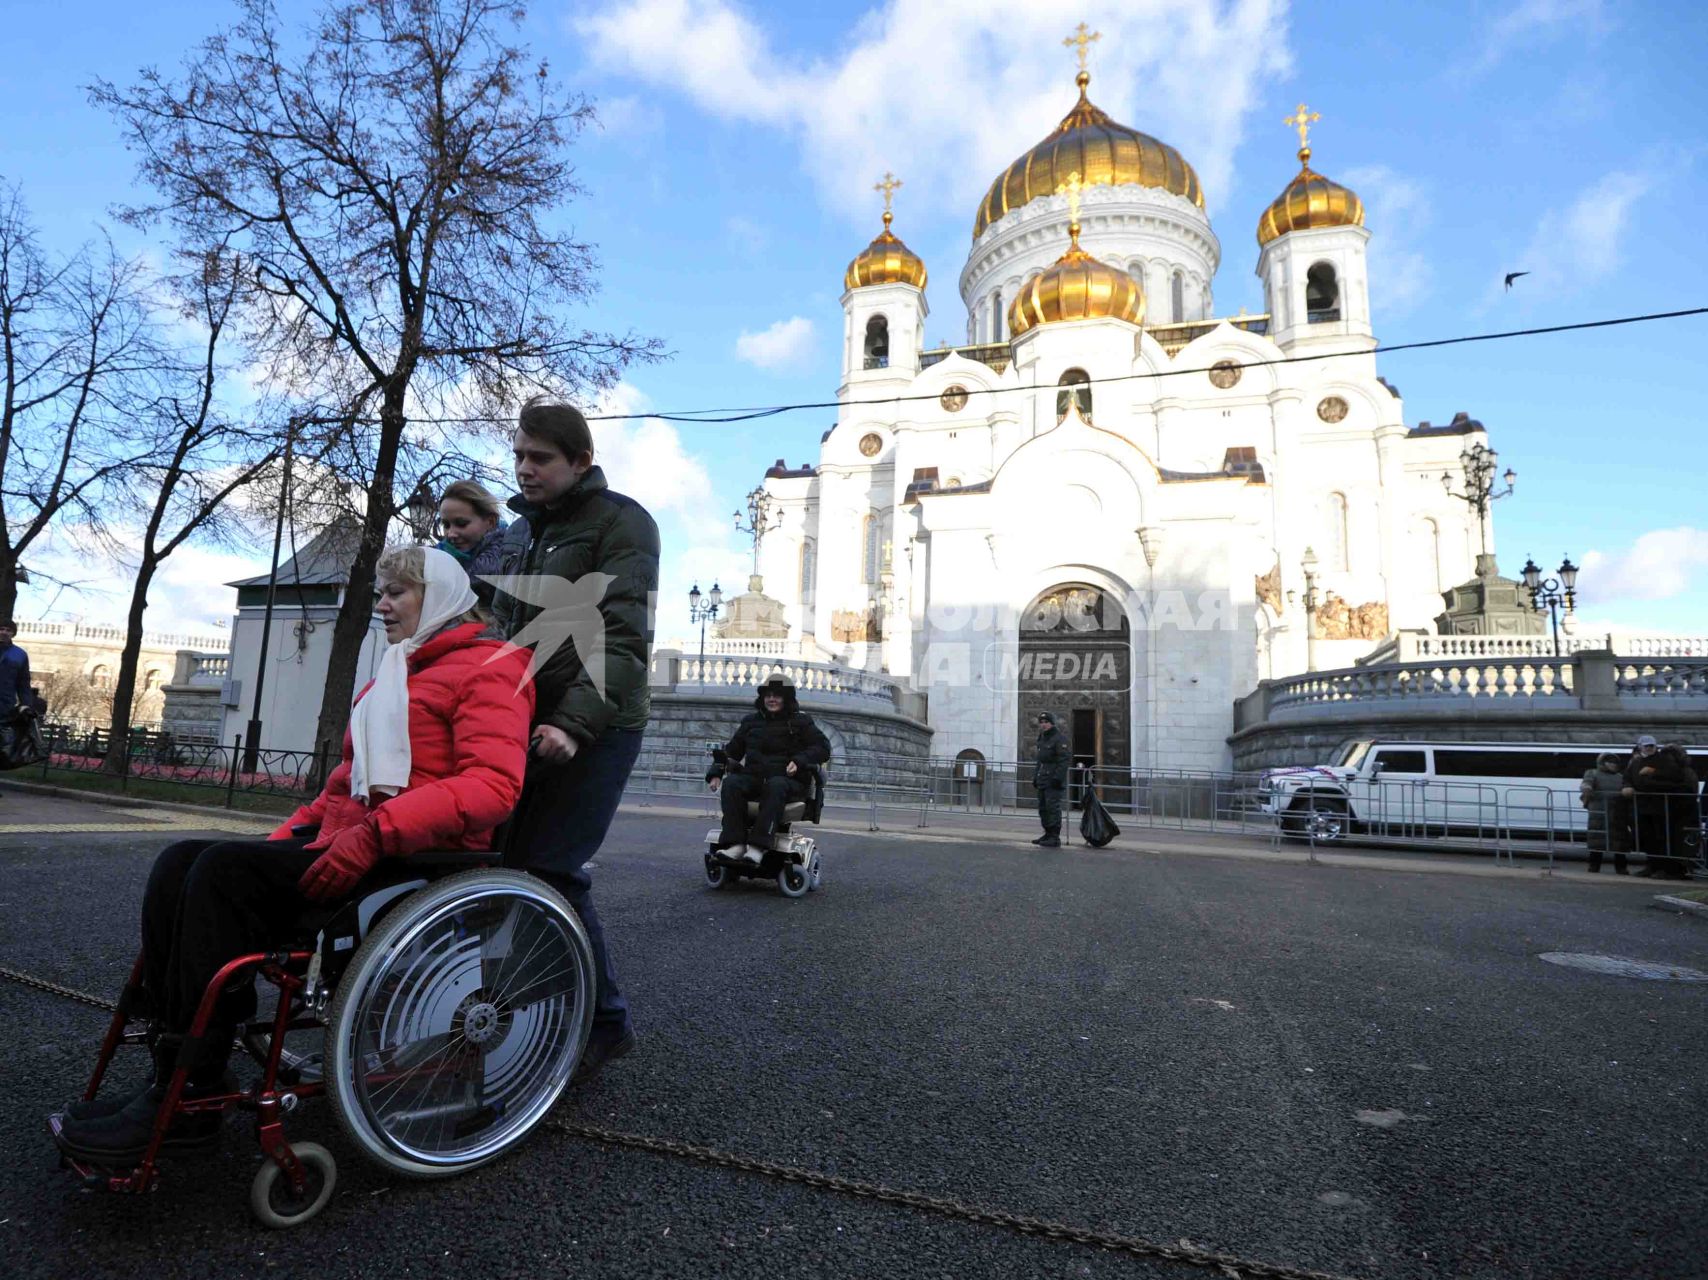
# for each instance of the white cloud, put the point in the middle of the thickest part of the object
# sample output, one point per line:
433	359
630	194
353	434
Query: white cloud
947	92
1397	213
1583	243
1660	565
1534	22
786	343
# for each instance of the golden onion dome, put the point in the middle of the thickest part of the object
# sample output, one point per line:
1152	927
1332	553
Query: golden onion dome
1309	202
1076	287
885	261
1089	143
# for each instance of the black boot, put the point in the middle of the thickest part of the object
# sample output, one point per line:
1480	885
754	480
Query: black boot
1050	841
112	1104
121	1137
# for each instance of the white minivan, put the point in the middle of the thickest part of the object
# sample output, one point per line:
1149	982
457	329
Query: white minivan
1422	789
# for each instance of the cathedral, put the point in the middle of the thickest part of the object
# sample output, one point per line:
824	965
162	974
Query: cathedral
1112	503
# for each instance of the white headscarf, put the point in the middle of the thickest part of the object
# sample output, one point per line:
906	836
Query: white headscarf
379	726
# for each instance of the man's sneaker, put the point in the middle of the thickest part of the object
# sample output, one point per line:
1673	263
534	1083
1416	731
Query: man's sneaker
599	1051
1049	842
737	851
751	854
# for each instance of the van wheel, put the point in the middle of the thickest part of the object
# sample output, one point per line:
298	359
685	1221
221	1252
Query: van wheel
1320	819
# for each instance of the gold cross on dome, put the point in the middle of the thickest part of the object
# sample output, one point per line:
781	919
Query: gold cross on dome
1302	120
1083	36
888	187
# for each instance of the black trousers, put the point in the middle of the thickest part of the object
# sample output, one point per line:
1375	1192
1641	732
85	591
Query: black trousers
772	793
208	902
1050	809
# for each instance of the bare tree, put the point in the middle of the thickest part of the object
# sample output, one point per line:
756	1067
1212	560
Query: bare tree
201	457
78	352
386	178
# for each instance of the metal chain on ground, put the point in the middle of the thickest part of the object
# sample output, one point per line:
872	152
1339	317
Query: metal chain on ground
54	989
1185	1252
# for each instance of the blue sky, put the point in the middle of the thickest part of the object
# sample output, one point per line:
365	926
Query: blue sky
730	182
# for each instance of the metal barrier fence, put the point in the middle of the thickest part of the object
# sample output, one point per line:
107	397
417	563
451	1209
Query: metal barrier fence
160	757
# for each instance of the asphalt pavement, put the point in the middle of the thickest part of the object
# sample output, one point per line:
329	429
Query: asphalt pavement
1358	1068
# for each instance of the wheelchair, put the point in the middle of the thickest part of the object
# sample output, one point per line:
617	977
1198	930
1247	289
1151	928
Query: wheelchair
453	1000
792	860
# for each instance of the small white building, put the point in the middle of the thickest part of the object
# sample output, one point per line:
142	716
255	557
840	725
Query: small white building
309	590
1101	504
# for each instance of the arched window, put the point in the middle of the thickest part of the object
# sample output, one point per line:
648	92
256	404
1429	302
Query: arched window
996	318
809	569
871	548
1080	380
877	343
1177	297
151	679
1336	532
101	677
1322	293
1429	554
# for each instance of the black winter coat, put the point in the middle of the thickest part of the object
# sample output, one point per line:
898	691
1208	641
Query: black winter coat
764	744
1053	758
589	530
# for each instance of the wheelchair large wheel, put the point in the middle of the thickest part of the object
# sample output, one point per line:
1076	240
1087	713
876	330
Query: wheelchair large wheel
458	1022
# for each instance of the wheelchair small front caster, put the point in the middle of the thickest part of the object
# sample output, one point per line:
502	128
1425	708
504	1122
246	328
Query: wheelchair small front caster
274	1202
717	875
794	881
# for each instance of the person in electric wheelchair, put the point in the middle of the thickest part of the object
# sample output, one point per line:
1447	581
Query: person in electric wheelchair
773	762
433	760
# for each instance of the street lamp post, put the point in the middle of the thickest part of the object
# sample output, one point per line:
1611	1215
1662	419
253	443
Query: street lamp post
1309	566
703	613
418	511
1554	594
252	738
1478	463
761	519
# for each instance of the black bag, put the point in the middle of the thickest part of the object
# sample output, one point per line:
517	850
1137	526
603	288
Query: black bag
21	743
1096	827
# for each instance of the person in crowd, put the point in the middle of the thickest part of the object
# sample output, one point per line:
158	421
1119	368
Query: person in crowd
433	759
14	670
770	759
1603	794
1661	786
592	694
1049	779
474	533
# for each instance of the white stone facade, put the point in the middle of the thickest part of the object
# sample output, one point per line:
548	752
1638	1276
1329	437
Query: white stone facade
930	525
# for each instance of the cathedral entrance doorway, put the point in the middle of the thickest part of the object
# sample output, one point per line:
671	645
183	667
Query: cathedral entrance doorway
1076	662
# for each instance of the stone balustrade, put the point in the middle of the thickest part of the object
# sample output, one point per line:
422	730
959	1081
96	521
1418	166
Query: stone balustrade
815	682
1411	647
67	632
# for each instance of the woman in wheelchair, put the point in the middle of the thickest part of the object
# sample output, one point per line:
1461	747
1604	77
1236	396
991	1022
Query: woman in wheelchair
770	759
432	760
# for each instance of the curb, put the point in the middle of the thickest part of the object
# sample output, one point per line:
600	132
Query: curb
132	802
1684	905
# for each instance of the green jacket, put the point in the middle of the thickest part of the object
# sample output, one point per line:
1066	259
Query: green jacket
591	529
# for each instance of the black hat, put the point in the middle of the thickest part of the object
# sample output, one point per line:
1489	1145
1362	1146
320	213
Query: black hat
1045	715
777	683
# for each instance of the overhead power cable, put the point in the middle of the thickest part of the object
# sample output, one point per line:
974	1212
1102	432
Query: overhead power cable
750	413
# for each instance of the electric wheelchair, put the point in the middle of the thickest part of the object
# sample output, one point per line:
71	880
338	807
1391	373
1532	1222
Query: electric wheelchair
792	860
453	1000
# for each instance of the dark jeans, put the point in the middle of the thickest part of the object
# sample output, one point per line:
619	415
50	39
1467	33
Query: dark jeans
208	902
1050	809
559	824
772	793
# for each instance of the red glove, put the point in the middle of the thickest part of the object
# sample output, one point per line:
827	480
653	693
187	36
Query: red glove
282	832
349	856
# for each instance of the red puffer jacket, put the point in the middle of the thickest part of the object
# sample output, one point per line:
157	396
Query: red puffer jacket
468	744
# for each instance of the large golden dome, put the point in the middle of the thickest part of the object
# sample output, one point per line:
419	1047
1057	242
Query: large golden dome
885	261
1089	143
1076	287
1310	201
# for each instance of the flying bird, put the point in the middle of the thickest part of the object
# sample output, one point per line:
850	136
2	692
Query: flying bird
1511	276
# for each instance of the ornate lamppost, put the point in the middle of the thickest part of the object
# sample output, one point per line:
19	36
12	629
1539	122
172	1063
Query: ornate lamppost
703	613
1309	565
1478	464
761	518
1553	594
418	511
